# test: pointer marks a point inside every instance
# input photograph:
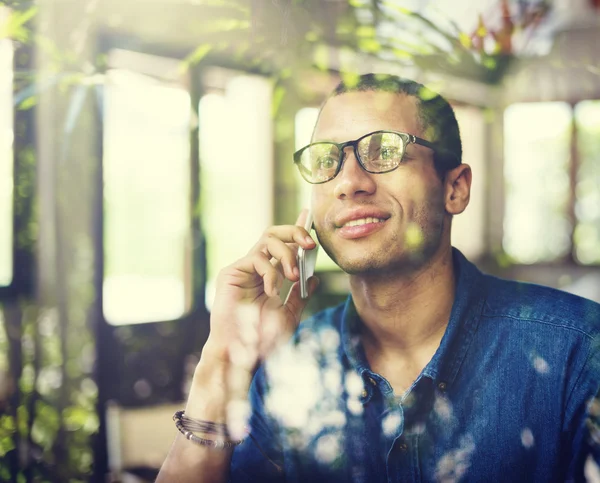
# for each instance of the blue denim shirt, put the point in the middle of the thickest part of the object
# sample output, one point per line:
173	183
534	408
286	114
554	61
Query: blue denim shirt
508	396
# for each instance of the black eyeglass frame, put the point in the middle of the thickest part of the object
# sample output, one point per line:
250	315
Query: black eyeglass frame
406	138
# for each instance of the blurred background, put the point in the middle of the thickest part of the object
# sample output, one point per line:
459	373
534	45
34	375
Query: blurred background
146	144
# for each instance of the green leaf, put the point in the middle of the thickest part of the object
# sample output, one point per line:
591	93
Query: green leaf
365	31
7	424
402	54
369	45
278	96
75	418
196	56
350	79
14	27
311	36
427	94
396	7
490	63
321	57
465	40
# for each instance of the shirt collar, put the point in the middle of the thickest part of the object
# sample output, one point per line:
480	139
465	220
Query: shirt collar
464	319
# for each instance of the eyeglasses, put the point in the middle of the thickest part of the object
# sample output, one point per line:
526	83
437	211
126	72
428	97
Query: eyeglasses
376	152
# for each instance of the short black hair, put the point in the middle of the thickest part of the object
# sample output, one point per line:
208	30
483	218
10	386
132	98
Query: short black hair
435	113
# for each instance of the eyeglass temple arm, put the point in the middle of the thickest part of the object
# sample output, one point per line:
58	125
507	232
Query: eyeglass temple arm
416	140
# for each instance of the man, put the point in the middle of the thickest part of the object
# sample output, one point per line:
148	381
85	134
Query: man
431	371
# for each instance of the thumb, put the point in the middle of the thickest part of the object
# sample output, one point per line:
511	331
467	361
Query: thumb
295	303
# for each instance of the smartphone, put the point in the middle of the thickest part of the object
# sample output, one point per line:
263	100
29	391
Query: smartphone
307	259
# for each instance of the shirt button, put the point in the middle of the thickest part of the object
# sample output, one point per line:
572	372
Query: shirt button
403	447
372	381
364	393
442	386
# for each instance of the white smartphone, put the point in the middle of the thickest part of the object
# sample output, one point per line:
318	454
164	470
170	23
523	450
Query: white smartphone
307	259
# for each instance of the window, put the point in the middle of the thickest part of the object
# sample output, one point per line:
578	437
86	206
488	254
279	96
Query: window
147	193
552	209
6	162
236	166
587	188
468	228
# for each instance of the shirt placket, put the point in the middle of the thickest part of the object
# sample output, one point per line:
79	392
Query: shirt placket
402	459
402	463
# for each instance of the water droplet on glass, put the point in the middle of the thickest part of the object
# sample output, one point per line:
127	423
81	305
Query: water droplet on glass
527	438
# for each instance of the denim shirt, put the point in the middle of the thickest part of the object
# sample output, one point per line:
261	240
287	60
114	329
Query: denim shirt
509	396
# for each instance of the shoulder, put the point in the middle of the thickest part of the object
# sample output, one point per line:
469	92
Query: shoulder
533	303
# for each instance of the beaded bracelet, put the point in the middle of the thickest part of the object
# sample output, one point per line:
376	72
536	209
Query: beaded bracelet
184	424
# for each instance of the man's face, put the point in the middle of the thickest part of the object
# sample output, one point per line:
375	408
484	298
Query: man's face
369	223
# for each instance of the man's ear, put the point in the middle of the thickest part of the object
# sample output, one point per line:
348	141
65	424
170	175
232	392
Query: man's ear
457	185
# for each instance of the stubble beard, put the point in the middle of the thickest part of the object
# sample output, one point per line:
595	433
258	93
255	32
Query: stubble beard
393	256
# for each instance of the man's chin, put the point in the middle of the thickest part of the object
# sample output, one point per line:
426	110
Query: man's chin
401	263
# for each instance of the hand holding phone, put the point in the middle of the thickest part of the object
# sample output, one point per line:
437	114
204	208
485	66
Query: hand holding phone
307	259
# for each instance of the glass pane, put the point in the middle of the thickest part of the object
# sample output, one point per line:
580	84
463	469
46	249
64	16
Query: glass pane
6	162
236	175
537	140
305	121
147	212
587	207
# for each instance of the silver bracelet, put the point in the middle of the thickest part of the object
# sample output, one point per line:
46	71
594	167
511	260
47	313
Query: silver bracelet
184	424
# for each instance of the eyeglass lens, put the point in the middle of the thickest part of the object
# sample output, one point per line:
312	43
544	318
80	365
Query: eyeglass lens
379	152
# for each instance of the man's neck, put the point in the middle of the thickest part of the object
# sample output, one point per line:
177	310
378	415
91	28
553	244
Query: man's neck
405	315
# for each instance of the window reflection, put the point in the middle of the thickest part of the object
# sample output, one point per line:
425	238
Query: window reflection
587	207
147	253
537	140
6	162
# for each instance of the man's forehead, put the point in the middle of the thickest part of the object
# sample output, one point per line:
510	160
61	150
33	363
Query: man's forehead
353	114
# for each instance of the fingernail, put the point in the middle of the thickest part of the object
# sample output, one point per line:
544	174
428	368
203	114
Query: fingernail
309	239
296	271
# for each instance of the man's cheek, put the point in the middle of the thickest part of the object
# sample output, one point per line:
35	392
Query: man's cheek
319	210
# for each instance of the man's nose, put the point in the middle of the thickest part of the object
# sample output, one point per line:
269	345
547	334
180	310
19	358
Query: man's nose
353	180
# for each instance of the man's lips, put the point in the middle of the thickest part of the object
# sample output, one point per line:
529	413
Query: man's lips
361	228
360	216
360	223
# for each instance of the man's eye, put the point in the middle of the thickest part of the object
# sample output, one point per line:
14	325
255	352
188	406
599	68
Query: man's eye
388	152
325	162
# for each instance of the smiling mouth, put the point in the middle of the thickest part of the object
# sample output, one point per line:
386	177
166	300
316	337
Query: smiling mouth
362	221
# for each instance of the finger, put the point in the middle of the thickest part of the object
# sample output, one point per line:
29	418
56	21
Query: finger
262	266
283	257
295	303
287	234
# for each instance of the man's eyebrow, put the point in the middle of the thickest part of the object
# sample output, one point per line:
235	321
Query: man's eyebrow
325	140
330	139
